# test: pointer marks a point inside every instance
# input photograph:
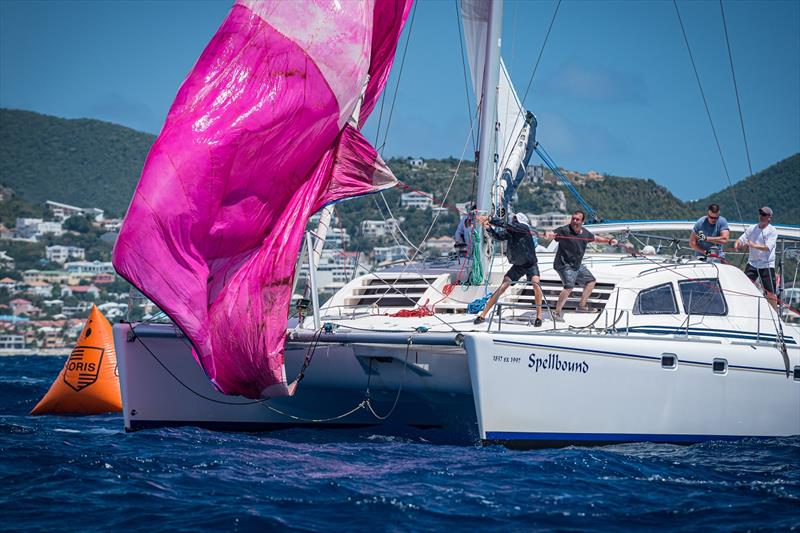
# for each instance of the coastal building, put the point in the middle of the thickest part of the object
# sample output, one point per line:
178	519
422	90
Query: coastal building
417	163
21	306
337	238
385	254
10	285
90	291
6	261
76	310
54	276
415	200
535	173
50	337
39	288
376	229
334	270
440	246
89	267
111	224
549	221
64	211
61	254
104	279
439	211
12	342
31	228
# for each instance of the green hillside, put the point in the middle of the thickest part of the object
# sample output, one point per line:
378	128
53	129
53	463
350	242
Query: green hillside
631	199
84	162
97	164
777	186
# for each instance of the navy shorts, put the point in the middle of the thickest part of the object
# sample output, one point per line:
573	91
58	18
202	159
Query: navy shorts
767	276
575	276
517	271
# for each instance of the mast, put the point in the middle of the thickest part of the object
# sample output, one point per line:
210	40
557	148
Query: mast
487	149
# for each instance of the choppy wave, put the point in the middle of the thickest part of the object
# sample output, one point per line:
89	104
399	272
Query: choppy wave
87	473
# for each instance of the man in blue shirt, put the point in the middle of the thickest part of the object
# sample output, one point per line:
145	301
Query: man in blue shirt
710	234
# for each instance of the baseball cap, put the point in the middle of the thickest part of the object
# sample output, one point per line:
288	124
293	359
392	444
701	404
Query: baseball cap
521	218
766	210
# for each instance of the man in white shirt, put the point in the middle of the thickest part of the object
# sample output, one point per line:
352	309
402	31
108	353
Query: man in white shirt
761	238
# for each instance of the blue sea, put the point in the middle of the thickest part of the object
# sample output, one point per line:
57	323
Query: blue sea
86	473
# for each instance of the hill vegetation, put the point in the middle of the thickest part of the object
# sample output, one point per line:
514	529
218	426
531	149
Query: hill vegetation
83	162
97	164
777	186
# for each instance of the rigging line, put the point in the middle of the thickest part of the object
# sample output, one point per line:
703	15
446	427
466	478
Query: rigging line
464	69
705	103
399	390
380	118
433	223
399	77
541	51
436	217
736	90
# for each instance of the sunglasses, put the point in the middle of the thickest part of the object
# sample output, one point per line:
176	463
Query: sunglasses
712	218
762	214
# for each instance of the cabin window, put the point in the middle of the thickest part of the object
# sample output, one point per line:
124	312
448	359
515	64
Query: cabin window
658	300
669	361
720	366
704	296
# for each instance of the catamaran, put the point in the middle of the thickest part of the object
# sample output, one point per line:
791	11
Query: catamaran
677	349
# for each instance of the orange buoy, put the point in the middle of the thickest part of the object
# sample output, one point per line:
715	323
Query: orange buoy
89	382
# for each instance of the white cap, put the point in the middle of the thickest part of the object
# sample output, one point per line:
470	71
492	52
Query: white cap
521	218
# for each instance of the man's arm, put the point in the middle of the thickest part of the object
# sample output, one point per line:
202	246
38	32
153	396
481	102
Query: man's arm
693	243
769	243
602	240
498	233
724	233
743	241
721	239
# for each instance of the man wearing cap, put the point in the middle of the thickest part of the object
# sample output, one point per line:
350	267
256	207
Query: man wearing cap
761	239
521	253
710	233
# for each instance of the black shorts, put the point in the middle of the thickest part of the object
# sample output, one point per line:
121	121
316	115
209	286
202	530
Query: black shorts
767	276
517	271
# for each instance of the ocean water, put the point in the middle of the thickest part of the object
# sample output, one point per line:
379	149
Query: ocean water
86	473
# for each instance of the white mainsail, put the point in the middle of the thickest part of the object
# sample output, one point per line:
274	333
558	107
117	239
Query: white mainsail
512	131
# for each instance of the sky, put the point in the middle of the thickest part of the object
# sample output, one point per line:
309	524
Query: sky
614	92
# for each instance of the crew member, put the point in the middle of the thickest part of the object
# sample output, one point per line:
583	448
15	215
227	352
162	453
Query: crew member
521	253
761	239
568	263
463	236
710	233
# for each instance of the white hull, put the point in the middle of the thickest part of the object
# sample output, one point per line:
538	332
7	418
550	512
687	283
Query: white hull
552	389
485	388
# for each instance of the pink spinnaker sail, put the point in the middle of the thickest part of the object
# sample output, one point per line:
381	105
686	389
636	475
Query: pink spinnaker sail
255	142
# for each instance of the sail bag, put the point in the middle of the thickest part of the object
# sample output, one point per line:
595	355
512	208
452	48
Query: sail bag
255	142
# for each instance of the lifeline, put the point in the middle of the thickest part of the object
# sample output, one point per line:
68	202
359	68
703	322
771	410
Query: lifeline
553	362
